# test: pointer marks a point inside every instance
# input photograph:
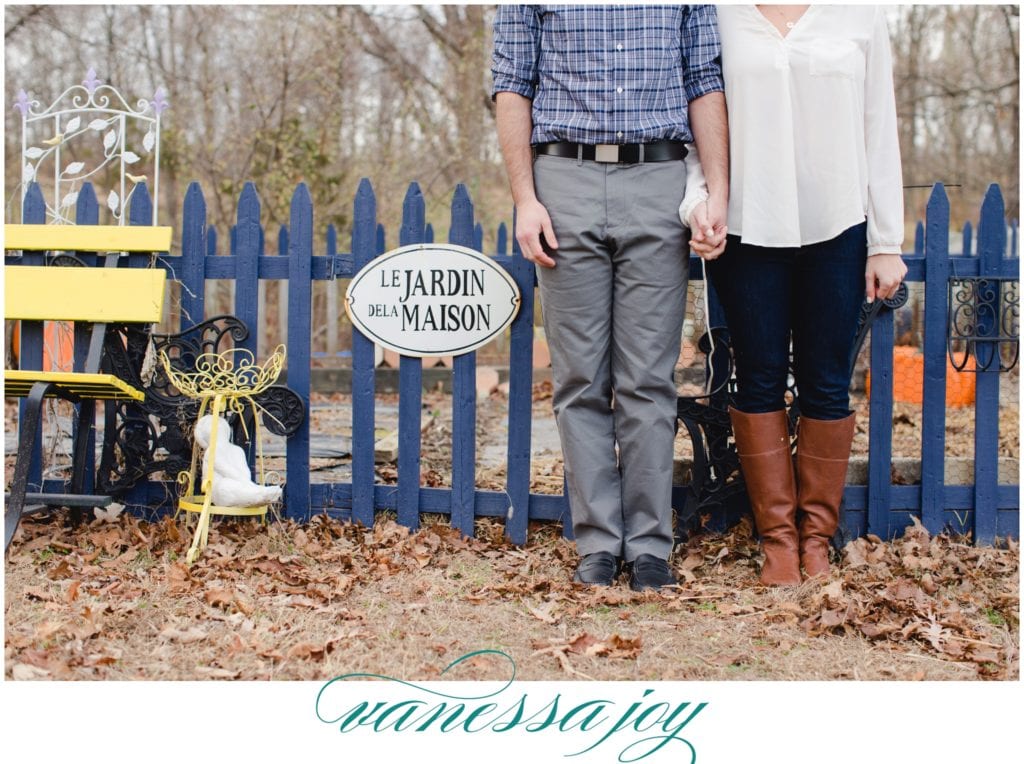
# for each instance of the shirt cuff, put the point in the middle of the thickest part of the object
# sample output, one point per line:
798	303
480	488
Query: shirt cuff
696	185
689	204
711	83
886	249
508	85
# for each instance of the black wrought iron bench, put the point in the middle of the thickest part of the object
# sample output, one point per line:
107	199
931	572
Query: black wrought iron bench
154	435
716	488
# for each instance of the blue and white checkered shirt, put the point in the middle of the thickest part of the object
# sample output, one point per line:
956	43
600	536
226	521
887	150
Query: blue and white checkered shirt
607	74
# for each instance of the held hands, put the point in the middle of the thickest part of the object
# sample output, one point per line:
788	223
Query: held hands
708	229
532	223
883	276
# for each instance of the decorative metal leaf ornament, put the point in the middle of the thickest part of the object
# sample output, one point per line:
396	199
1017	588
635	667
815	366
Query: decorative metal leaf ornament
109	139
113	200
73	124
33	152
69	199
74	168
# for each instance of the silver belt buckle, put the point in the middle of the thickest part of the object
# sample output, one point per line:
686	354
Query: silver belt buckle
606	152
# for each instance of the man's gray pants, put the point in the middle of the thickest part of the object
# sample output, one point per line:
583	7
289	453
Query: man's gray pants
613	312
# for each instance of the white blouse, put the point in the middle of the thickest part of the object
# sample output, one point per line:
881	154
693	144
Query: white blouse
813	142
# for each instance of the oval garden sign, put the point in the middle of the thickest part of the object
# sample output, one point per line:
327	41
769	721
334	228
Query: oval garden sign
432	299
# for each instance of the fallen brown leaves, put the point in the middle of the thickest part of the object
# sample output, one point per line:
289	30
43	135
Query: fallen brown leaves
114	600
590	646
931	591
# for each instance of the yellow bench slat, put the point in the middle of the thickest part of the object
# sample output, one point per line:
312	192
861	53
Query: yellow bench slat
48	293
88	238
18	384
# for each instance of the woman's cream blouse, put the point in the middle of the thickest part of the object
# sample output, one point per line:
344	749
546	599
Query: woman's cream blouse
813	142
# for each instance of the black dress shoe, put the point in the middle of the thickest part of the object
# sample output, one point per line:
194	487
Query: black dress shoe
650	572
597	569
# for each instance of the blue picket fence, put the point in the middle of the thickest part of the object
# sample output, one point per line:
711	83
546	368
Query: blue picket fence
988	509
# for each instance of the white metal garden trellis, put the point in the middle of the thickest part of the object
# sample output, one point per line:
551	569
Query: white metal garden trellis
87	111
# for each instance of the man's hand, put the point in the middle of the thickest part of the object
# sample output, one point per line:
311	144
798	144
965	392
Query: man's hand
532	223
515	121
708	228
883	276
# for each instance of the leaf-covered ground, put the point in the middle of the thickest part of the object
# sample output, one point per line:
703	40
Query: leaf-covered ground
114	600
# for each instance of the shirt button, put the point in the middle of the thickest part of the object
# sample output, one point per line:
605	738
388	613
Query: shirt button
618	90
619	46
619	134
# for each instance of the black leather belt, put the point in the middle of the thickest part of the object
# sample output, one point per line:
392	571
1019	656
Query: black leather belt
629	153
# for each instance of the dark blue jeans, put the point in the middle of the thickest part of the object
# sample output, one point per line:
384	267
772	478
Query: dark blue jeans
810	296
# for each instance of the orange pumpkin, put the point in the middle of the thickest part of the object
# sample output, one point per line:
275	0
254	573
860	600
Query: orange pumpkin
908	379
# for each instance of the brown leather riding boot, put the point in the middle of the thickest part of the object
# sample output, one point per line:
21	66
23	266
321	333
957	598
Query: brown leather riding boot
762	443
822	455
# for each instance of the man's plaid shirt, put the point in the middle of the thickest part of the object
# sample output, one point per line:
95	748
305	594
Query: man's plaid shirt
607	74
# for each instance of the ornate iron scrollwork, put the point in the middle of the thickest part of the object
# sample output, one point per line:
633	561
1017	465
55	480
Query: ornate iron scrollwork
282	410
155	435
984	323
716	486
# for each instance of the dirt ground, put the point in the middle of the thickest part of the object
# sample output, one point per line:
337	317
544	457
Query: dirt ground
114	600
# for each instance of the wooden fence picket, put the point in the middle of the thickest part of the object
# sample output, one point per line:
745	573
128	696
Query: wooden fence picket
300	291
463	391
991	255
364	249
410	383
933	411
520	399
248	248
195	237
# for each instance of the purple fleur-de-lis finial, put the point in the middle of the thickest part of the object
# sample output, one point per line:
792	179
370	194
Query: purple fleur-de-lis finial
21	102
159	101
90	81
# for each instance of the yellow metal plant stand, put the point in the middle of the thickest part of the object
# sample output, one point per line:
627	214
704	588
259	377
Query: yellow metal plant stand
222	382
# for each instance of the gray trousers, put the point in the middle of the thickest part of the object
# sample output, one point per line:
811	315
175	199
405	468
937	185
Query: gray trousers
613	312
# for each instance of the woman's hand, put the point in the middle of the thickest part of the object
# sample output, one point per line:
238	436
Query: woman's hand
708	229
883	276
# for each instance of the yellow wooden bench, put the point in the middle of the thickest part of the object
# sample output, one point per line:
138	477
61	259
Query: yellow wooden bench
95	297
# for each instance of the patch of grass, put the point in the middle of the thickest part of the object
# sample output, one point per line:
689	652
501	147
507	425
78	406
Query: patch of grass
496	640
708	607
649	609
145	561
472	575
994	616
